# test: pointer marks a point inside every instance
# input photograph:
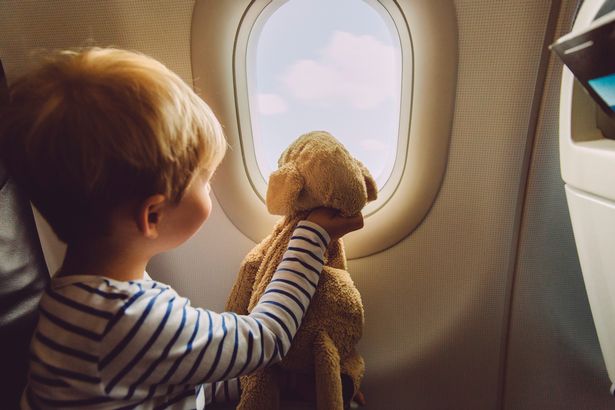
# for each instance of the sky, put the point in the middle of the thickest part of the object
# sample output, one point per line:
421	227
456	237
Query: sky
332	65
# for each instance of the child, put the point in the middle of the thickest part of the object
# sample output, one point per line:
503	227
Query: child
117	152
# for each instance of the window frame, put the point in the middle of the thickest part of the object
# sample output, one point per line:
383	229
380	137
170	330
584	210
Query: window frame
428	36
256	16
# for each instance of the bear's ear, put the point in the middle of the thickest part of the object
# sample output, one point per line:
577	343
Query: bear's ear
284	187
370	183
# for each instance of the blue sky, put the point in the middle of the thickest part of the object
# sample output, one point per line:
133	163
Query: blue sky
329	65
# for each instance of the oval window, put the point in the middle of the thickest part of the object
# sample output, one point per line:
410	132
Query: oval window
275	69
325	65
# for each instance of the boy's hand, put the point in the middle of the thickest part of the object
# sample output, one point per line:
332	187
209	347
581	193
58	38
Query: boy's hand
335	224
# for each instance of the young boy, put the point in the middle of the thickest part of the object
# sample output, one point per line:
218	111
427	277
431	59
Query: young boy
117	152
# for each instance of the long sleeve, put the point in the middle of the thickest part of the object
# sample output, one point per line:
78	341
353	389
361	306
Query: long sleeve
157	342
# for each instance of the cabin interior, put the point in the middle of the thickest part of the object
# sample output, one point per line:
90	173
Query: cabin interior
474	296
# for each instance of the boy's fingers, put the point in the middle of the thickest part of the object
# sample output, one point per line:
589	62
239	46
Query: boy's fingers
334	223
354	222
358	221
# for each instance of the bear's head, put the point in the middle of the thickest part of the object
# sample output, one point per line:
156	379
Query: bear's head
316	170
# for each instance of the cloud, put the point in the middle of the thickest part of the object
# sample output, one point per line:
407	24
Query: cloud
373	145
359	70
271	104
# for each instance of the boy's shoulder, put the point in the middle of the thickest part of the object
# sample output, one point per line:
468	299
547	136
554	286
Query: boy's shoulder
99	285
91	306
78	292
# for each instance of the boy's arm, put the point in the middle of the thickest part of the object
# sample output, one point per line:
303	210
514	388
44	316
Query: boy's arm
160	340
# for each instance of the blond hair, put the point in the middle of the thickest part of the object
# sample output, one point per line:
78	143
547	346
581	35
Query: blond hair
88	130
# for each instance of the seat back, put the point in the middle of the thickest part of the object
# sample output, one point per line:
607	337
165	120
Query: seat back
23	277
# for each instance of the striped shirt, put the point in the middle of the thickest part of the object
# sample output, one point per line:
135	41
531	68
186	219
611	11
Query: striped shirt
102	343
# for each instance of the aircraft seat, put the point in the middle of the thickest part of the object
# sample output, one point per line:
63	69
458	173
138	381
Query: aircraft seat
23	277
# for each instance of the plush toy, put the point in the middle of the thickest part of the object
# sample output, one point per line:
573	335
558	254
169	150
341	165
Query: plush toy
315	170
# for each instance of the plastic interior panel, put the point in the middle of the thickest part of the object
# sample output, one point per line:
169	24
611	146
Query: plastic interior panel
588	168
593	221
587	157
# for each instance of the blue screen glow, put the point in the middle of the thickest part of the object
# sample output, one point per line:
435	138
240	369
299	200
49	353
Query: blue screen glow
605	87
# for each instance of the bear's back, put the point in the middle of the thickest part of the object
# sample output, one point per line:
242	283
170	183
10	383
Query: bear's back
335	308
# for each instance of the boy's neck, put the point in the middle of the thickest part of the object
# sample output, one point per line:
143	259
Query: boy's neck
104	257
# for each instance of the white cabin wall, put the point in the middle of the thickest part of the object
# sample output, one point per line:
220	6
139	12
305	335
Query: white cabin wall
158	28
554	359
437	302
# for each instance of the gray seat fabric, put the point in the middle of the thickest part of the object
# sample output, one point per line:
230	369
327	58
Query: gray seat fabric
23	277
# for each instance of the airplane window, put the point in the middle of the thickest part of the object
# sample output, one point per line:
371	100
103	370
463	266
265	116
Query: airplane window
323	65
380	75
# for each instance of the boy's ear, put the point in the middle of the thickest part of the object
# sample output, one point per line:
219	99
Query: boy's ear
284	187
150	215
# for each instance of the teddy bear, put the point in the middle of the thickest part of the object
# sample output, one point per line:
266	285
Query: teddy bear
316	170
